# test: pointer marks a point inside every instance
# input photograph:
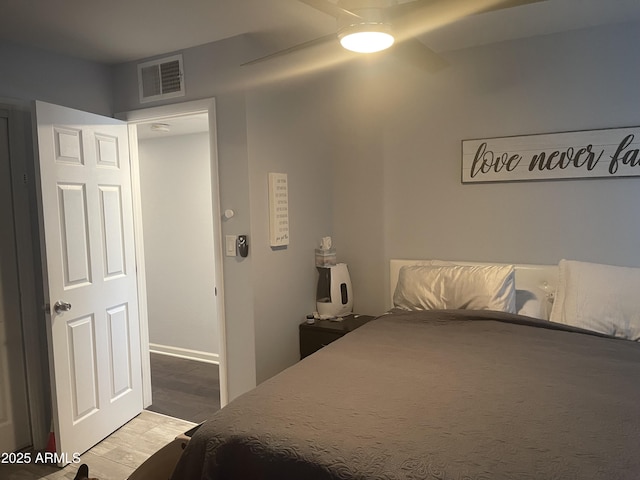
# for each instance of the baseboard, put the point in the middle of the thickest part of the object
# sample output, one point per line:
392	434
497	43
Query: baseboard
196	355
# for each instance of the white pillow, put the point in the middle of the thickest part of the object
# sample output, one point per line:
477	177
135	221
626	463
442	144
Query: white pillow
601	298
527	304
477	287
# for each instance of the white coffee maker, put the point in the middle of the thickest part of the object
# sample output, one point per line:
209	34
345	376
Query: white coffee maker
333	297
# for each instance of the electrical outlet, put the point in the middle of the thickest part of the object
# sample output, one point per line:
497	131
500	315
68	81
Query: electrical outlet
230	245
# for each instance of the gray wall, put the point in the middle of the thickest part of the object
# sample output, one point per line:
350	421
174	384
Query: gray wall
585	79
262	126
13	384
380	145
206	71
289	127
32	74
175	184
29	74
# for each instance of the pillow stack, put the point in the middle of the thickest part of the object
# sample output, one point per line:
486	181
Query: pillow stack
601	298
591	296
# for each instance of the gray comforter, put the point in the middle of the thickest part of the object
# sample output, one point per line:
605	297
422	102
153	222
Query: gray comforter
437	395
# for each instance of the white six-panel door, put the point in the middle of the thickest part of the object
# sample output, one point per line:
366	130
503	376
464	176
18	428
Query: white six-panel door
94	345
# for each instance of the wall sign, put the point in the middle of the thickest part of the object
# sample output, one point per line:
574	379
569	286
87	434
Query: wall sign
586	154
278	209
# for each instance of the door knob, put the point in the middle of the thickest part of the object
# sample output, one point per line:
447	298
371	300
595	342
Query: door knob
61	306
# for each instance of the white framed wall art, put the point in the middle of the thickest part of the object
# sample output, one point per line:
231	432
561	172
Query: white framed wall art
278	209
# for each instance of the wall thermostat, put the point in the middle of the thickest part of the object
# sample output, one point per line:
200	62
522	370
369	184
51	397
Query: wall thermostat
243	246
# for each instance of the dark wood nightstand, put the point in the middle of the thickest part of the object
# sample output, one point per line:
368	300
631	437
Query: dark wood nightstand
320	334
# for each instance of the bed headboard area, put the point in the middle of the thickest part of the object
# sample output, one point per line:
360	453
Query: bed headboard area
535	284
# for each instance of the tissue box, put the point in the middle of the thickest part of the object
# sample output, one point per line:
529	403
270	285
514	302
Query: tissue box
325	258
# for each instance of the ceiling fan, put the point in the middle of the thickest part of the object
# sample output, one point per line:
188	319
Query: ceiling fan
367	26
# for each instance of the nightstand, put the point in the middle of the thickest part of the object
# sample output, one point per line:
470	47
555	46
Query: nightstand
317	335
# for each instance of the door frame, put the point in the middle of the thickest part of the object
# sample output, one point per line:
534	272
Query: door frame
133	118
32	317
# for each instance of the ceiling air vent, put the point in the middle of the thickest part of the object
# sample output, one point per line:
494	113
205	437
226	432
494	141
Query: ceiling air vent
160	79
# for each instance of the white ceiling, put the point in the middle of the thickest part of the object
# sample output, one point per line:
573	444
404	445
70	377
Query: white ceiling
116	31
180	125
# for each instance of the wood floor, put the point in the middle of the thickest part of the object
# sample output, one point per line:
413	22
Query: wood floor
116	457
185	393
184	389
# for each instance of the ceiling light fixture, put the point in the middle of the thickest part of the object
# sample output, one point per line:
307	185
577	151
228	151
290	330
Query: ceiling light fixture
369	32
160	127
366	37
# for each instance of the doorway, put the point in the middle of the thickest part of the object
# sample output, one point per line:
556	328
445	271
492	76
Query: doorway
166	114
179	226
178	234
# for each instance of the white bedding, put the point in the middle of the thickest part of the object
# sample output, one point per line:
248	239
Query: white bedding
453	287
535	284
600	298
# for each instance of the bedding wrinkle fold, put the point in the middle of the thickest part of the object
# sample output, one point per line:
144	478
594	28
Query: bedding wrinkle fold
455	394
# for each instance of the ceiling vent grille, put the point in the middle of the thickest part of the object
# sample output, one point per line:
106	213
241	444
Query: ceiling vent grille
160	79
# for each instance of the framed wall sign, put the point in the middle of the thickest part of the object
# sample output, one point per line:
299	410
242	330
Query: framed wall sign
586	154
278	209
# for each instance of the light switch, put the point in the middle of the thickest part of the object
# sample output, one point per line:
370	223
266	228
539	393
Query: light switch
230	245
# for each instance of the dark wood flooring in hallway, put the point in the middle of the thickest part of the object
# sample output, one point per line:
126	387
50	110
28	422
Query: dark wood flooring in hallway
185	389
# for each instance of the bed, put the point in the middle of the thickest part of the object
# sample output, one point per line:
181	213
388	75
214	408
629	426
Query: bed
446	394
